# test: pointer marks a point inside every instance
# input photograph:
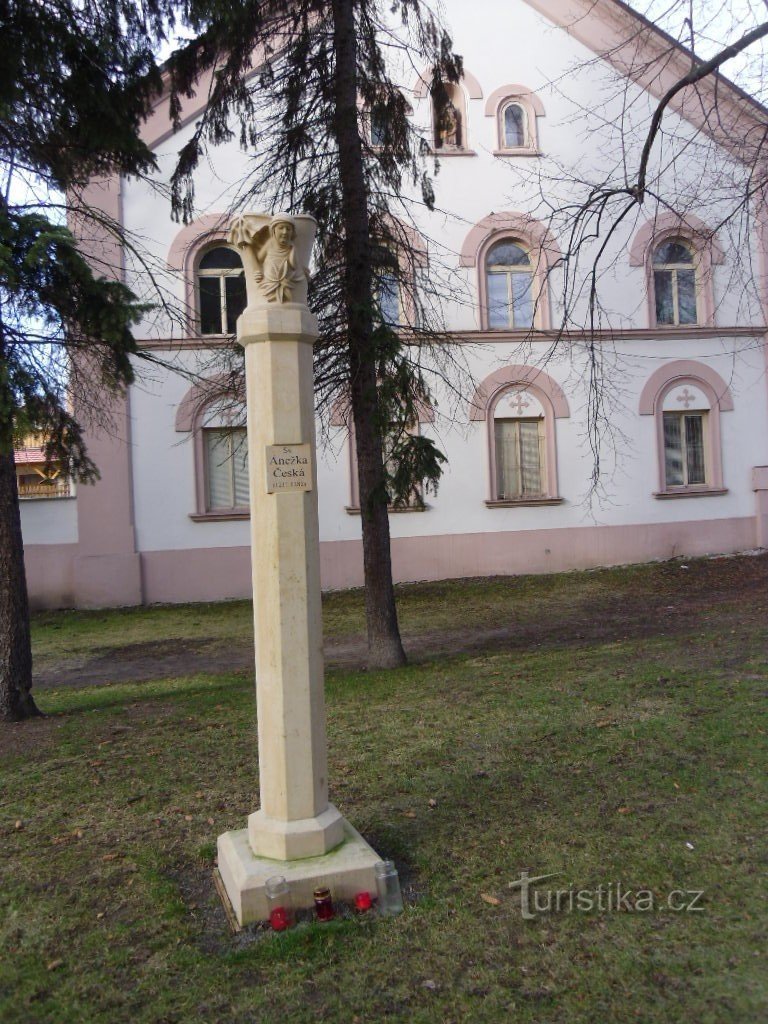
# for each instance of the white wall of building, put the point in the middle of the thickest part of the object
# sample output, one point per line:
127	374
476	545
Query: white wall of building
49	520
502	43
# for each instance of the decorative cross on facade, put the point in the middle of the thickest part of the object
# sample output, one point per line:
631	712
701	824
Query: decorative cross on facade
686	398
518	405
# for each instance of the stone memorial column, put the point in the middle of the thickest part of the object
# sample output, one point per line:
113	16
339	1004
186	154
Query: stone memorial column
295	832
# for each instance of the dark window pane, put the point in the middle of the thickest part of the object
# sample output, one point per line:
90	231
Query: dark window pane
662	286
514	126
672	252
686	296
507	254
220	258
236	300
389	299
210	305
378	127
694	449
673	451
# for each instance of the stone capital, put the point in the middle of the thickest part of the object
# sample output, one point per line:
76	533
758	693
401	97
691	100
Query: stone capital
289	321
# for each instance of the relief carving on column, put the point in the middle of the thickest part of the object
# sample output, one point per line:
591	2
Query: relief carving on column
276	252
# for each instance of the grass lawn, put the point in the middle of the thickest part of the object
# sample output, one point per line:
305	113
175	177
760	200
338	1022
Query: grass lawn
613	746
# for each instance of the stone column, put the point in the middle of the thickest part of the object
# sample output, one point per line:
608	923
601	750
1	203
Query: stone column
295	822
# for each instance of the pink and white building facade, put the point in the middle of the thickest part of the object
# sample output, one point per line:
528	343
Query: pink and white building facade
682	342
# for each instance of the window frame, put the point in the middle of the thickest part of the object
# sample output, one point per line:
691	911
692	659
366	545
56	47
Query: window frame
504	145
707	254
221	275
683	416
540	319
509	274
541	440
521	384
222	510
191	414
676	376
341	416
674	269
532	108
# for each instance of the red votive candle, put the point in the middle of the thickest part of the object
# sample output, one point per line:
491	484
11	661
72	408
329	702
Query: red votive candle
279	903
363	901
324	904
279	918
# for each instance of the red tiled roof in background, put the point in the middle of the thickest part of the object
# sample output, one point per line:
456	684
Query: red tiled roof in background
28	456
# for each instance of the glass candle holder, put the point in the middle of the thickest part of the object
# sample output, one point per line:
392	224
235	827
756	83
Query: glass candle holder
388	887
279	903
324	904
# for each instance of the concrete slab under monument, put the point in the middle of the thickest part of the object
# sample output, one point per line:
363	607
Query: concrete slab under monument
346	870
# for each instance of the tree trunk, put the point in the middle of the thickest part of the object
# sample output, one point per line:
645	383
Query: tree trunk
385	649
15	648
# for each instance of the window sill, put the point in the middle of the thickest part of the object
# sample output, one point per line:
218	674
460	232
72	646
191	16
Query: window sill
522	502
517	152
354	510
702	492
679	327
221	516
452	152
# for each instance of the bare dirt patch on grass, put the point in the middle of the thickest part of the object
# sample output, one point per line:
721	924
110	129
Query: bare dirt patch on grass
670	598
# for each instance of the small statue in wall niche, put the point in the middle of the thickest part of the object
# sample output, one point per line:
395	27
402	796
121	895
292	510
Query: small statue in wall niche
277	272
448	127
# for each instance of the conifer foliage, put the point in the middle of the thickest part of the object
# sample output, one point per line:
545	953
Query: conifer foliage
76	79
314	90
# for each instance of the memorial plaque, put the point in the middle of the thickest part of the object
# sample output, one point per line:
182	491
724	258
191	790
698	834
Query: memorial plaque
289	468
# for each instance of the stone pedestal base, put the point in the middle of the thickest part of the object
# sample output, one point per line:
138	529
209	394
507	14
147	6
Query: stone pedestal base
346	871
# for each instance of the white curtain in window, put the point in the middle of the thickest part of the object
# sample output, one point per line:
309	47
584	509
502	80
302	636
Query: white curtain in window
518	458
226	457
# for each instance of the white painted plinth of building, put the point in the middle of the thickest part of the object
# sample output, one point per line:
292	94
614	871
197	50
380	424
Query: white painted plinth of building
296	832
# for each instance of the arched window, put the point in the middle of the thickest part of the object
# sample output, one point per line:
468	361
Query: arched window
221	294
509	286
512	253
341	416
399	259
513	121
215	418
449	118
520	406
516	110
679	255
225	458
519	446
674	283
686	399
